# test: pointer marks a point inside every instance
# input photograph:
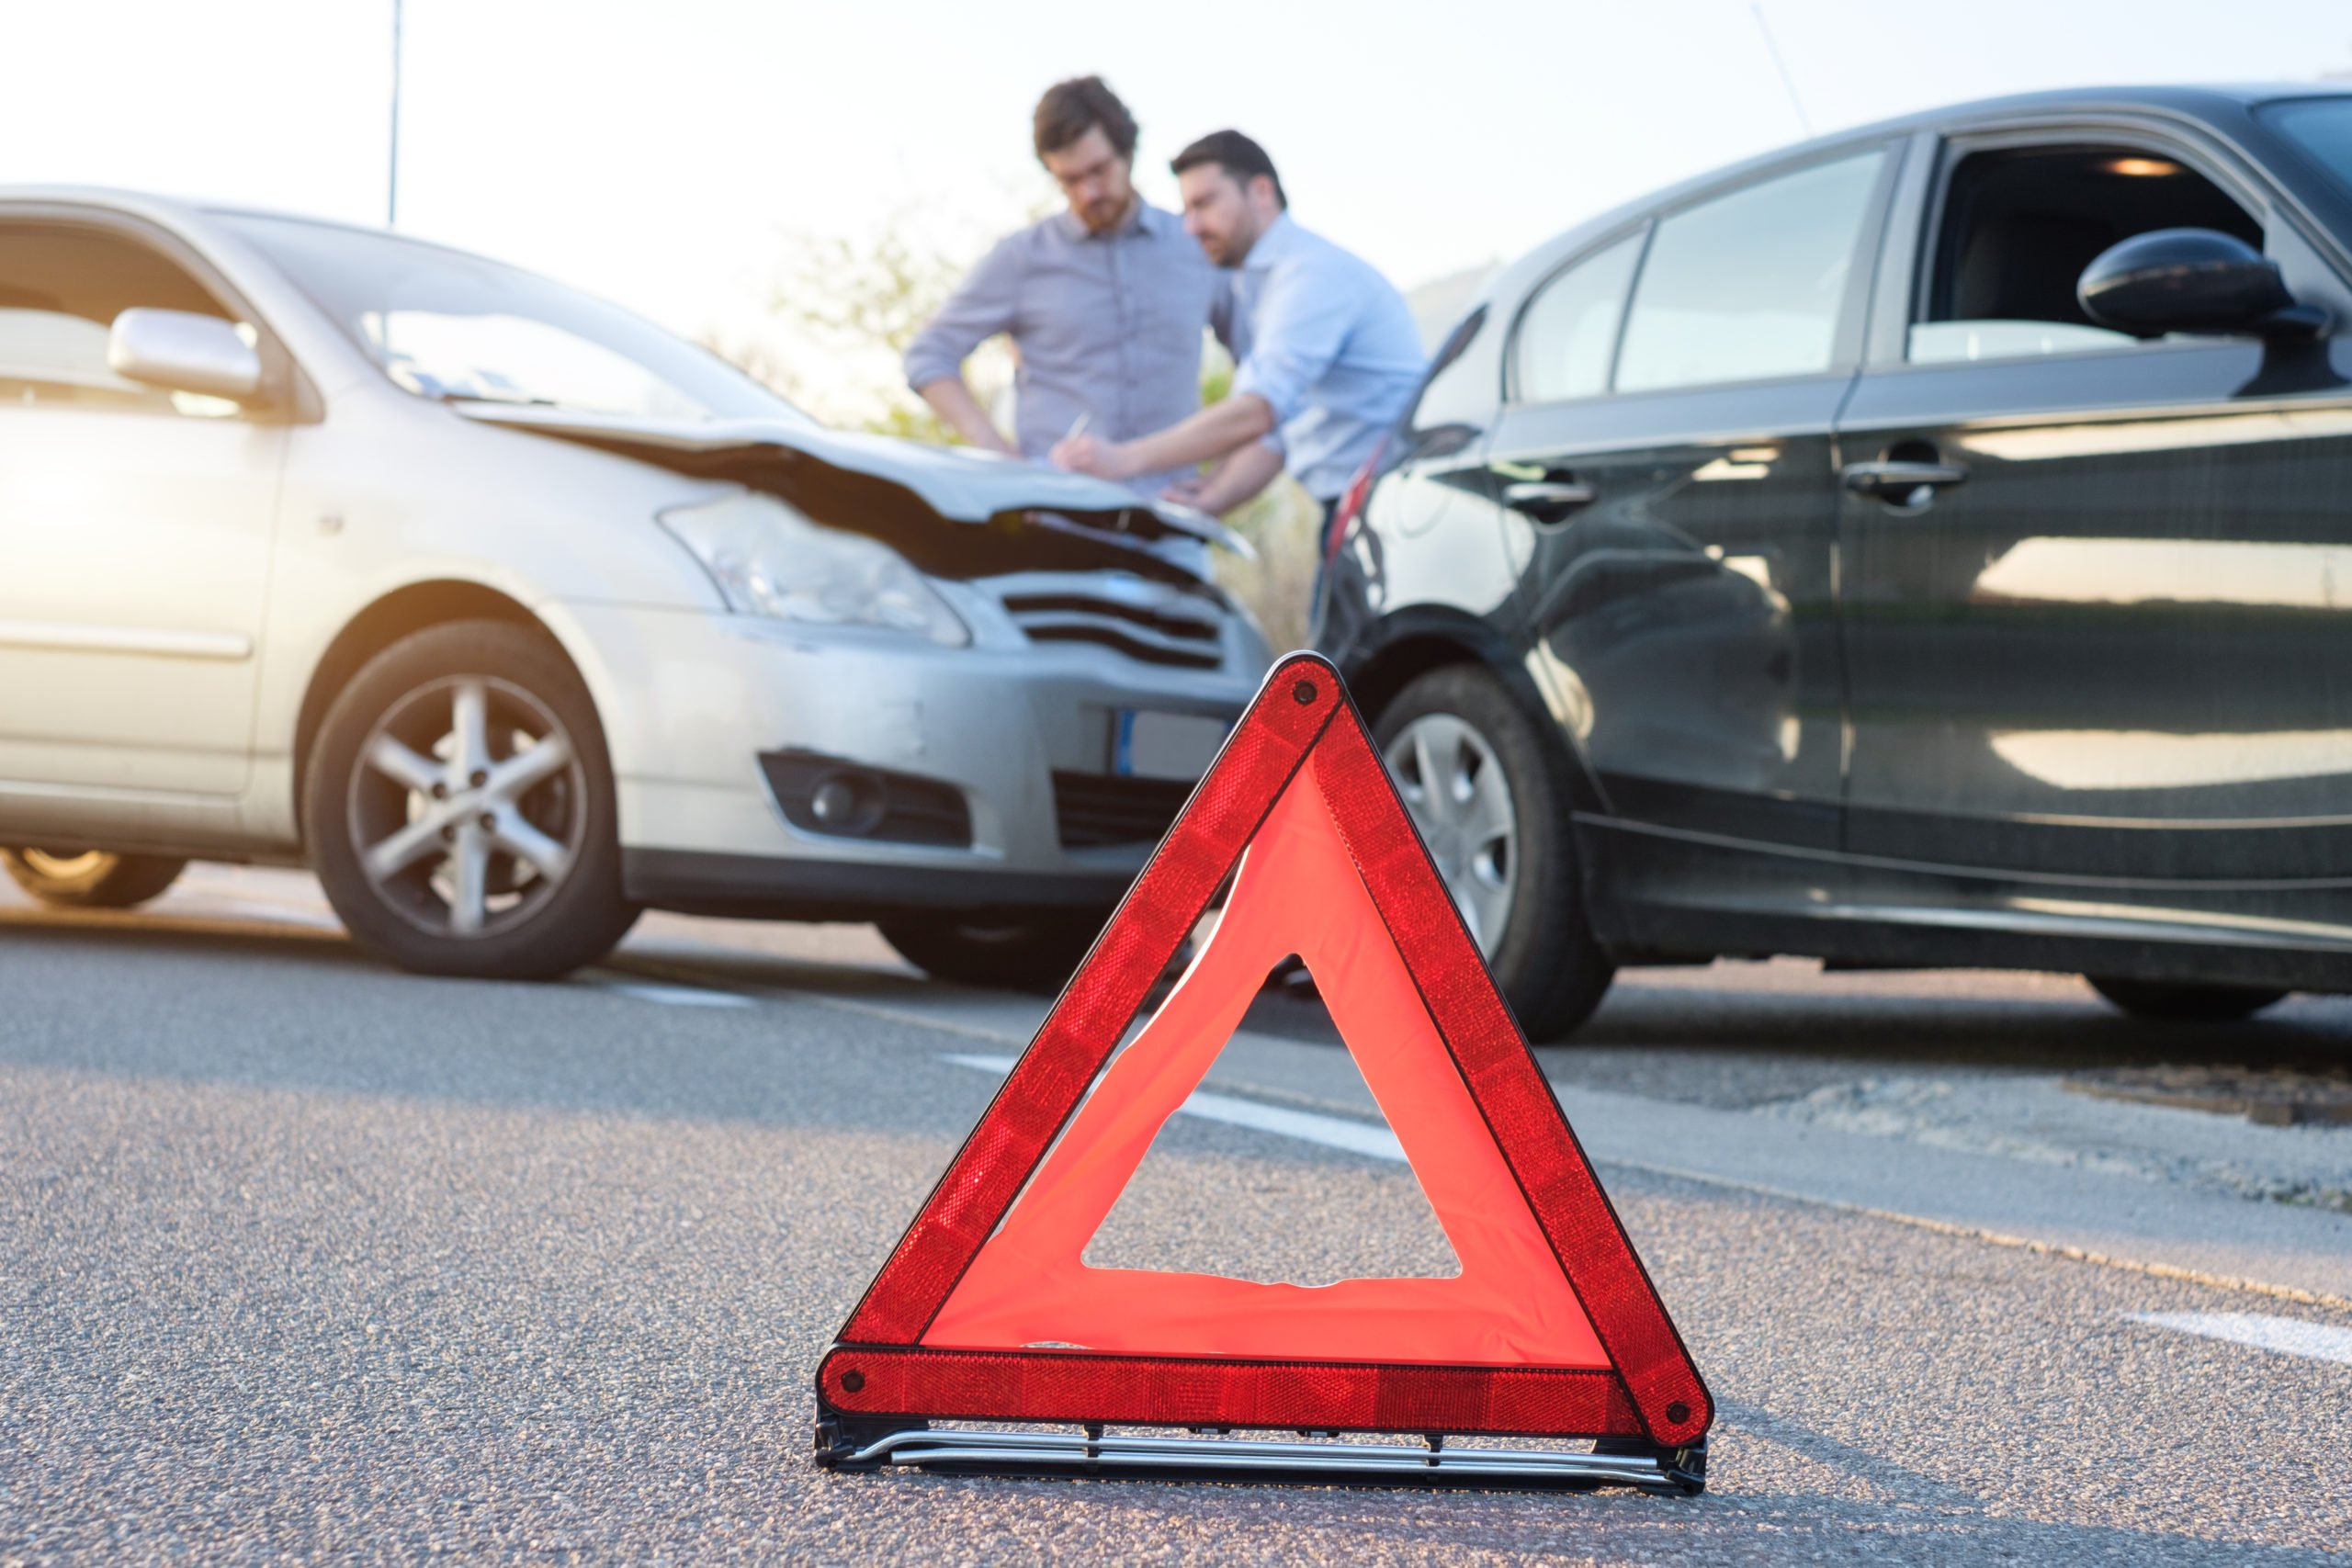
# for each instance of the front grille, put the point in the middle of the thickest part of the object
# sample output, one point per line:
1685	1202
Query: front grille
1155	626
1149	651
1094	810
893	808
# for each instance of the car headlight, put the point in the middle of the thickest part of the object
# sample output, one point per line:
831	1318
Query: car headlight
768	560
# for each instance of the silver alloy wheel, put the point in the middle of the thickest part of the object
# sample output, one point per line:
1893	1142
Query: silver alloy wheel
63	865
467	806
1454	784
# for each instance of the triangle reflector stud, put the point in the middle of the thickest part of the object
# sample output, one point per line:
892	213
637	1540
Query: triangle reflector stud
985	1311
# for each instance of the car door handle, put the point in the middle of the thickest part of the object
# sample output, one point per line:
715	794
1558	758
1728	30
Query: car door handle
1906	487
1547	500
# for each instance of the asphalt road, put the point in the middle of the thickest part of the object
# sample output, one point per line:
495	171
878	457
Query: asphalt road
303	1257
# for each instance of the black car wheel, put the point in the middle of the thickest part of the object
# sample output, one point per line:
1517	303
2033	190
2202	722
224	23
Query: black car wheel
1483	789
460	810
1035	955
90	879
2178	1002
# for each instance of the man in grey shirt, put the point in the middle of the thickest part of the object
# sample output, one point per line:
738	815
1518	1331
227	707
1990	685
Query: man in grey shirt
1105	304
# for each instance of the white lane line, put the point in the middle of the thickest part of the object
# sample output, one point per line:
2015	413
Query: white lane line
910	1017
2287	1336
1332	1132
676	995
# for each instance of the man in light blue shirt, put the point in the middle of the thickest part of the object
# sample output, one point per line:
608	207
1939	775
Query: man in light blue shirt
1105	302
1328	354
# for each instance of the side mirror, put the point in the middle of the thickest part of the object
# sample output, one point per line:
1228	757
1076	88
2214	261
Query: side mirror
183	351
2191	280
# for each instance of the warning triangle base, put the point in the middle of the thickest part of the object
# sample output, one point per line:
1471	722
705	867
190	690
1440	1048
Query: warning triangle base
848	1444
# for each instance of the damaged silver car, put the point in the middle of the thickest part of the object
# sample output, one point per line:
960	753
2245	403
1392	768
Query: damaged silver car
512	614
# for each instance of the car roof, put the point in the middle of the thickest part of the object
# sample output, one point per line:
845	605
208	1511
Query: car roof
184	210
2214	105
2192	100
151	204
2201	103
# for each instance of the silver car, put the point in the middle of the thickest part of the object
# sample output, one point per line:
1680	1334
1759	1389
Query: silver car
511	615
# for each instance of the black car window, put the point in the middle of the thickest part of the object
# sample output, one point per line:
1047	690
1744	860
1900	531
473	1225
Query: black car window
1569	328
61	289
2020	224
2320	128
1749	285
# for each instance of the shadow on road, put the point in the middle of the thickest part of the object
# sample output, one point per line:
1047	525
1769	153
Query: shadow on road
202	1002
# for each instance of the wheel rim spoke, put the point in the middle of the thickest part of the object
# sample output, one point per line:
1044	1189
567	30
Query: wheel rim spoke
1432	791
1488	815
469	882
516	776
404	767
526	844
389	857
469	727
1483	908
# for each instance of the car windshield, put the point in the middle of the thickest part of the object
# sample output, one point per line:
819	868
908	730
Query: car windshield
2320	128
443	324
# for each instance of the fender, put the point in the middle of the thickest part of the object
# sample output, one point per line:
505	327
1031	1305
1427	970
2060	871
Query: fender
1388	651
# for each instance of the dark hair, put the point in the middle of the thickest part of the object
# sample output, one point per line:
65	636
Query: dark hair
1237	156
1070	109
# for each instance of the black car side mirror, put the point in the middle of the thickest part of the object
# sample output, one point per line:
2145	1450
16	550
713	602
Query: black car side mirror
2193	280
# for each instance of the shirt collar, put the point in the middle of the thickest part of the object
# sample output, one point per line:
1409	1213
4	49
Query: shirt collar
1142	220
1271	244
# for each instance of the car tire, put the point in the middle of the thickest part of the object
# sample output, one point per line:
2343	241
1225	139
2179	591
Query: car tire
460	810
2173	1001
90	879
1035	955
1461	722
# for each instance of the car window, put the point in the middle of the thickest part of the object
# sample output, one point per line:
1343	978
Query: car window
2019	227
61	289
1749	285
2320	129
443	324
1570	327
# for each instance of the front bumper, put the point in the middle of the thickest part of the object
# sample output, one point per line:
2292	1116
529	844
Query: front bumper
691	701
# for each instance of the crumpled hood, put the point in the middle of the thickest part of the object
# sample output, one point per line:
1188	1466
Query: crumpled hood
958	484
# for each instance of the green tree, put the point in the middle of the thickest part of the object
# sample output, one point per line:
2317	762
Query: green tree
841	314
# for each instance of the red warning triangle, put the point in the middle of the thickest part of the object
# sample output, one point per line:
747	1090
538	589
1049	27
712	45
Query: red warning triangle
985	1310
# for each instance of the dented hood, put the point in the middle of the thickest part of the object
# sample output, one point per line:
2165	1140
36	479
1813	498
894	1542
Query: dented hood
837	477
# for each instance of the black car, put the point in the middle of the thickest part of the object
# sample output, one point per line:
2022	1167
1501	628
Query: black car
1928	545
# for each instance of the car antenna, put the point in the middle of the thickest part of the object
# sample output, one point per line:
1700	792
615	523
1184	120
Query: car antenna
1772	47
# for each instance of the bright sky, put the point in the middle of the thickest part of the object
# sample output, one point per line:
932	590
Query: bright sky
661	153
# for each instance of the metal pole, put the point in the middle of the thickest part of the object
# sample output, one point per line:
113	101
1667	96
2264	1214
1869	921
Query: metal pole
1772	45
392	183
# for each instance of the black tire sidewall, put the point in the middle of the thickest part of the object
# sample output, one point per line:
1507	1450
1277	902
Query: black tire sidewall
582	919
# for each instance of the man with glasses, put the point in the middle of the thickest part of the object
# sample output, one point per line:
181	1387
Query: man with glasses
1106	302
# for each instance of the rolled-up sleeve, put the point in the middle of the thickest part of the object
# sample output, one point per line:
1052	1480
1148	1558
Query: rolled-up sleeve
1299	330
985	304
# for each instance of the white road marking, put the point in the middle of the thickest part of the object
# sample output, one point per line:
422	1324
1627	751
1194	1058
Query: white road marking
916	1018
2287	1336
676	996
1332	1132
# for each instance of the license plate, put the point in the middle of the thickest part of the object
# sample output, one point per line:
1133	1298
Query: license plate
1146	744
